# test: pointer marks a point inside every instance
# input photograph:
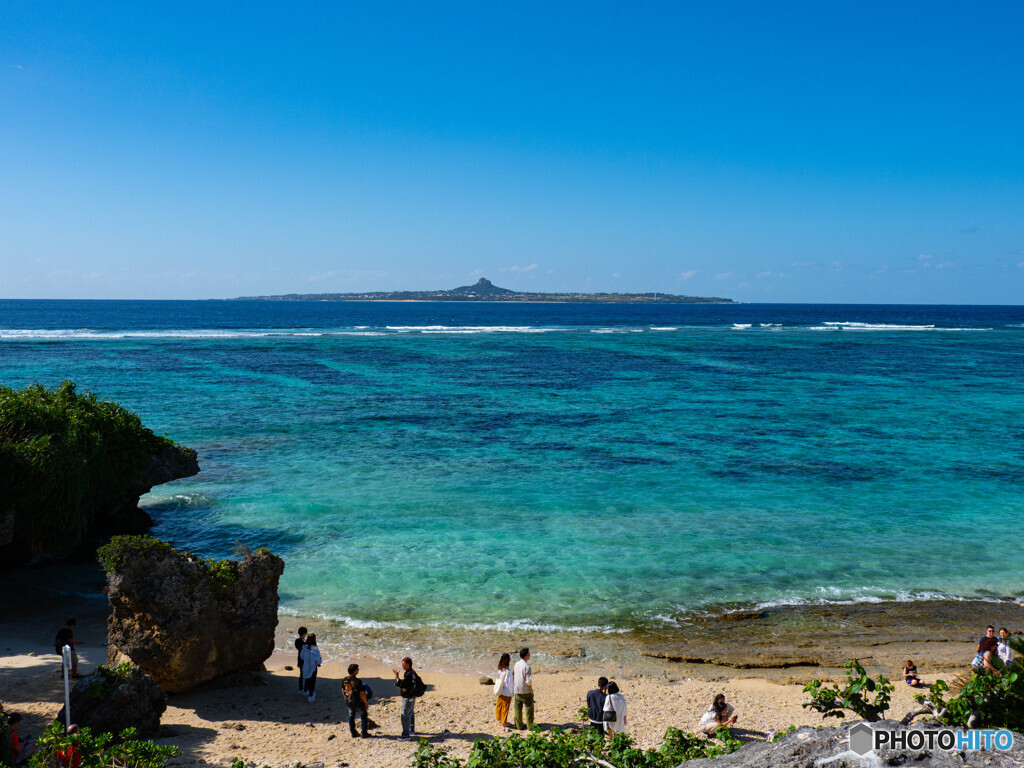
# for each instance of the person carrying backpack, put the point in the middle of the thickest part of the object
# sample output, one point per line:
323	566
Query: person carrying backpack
355	697
411	687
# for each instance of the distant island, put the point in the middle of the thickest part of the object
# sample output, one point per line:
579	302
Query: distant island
485	290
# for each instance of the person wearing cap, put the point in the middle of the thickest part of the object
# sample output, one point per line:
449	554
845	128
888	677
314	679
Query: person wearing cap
406	687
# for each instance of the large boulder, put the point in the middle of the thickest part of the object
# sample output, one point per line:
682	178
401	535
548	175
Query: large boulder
814	747
110	700
186	620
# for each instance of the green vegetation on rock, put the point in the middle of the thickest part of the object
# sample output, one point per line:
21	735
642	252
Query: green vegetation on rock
65	459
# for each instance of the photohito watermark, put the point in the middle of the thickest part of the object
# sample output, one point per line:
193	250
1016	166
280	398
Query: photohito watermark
864	739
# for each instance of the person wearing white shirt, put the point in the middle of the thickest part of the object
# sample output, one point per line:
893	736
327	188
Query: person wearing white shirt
1003	650
615	711
503	689
311	661
523	687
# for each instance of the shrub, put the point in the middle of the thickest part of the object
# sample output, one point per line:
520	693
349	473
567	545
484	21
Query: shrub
987	699
559	748
832	701
65	458
99	751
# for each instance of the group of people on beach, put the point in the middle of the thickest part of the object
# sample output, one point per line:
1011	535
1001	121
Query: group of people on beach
991	646
607	710
357	694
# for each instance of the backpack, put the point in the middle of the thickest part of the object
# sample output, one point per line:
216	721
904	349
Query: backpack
418	686
351	693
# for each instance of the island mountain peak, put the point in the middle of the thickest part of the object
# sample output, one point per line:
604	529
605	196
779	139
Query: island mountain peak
484	290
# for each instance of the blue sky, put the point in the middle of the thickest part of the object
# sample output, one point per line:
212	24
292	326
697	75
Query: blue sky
809	152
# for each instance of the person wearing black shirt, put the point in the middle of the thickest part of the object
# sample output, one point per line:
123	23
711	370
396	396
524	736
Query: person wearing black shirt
300	643
595	704
407	687
355	698
66	636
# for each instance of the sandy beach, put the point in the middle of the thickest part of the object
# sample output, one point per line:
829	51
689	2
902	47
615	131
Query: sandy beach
260	717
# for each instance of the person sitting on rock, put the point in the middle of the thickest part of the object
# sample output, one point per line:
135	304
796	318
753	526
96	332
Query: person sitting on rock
311	661
1002	649
718	714
910	675
983	661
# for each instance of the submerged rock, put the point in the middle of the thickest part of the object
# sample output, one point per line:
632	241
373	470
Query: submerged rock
185	620
110	700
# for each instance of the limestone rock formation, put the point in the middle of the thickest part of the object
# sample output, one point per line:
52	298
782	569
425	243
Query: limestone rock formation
186	620
110	700
810	747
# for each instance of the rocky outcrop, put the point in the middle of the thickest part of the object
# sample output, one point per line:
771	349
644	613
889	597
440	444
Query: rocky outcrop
174	462
110	700
810	748
185	620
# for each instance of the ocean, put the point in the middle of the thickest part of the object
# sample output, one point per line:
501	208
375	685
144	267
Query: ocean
604	467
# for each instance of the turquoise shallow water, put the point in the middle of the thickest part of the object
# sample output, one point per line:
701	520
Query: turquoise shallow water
570	466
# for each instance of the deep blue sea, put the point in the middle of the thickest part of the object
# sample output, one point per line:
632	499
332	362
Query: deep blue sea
578	465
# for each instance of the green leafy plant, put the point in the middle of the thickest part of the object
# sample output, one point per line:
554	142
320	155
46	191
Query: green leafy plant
100	750
987	698
65	460
853	696
558	748
219	576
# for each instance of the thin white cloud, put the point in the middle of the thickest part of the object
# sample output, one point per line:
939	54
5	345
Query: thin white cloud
764	274
16	66
1020	264
518	268
723	275
688	274
924	256
804	264
616	274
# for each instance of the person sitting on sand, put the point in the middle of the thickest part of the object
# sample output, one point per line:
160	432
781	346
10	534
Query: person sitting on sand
311	661
300	643
21	749
718	714
503	690
595	704
614	711
910	675
1003	651
66	636
983	661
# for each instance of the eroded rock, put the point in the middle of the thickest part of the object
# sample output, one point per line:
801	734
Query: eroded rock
185	620
110	700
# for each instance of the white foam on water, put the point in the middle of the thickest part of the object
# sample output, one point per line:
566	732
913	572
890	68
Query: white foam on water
741	326
664	327
515	625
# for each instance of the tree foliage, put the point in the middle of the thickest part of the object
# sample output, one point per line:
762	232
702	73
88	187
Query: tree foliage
66	457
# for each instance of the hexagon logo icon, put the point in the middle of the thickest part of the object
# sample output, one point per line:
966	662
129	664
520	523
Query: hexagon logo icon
862	738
